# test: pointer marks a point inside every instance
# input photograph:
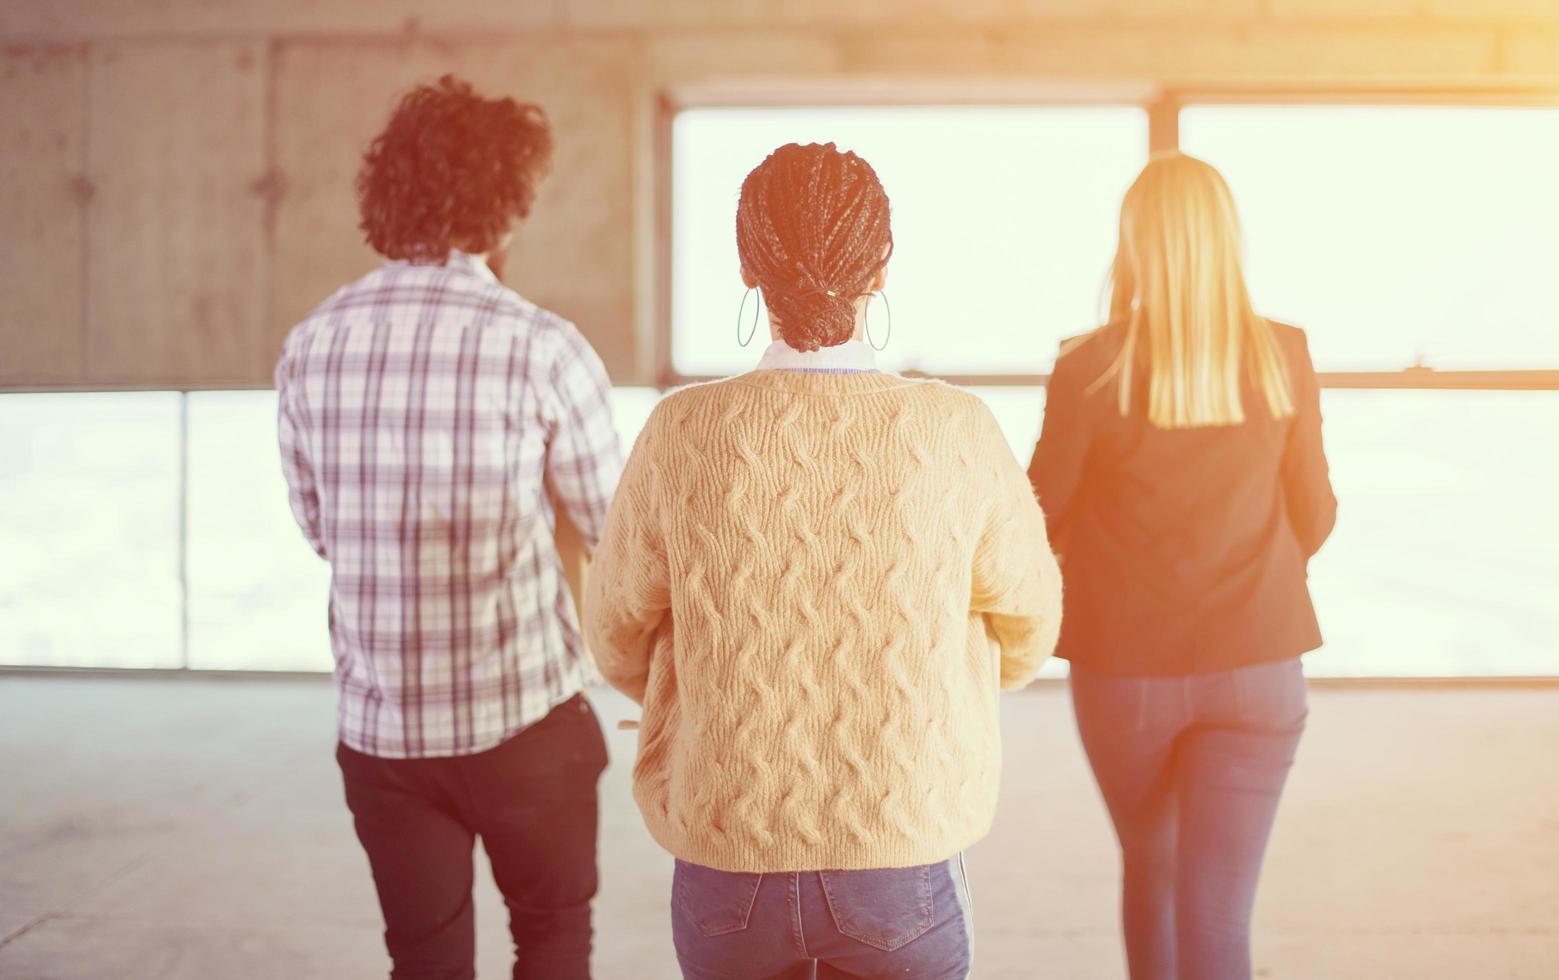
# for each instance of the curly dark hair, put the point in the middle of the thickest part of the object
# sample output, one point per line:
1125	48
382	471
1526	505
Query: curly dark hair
451	170
812	227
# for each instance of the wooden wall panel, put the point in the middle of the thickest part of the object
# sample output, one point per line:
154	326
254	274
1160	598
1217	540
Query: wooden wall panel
176	262
574	255
42	138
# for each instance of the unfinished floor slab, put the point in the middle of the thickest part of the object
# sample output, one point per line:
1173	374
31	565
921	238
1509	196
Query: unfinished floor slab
192	828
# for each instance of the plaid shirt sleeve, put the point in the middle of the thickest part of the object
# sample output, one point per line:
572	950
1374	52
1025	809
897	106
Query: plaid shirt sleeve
584	457
302	491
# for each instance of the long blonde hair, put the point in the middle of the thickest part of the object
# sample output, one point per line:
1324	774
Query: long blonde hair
1178	287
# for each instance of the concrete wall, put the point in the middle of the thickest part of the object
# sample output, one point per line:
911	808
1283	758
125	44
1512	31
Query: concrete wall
175	175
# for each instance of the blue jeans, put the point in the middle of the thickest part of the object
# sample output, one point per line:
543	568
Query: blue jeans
899	922
1191	769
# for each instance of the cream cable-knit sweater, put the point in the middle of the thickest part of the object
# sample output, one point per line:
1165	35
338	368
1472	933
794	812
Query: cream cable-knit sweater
814	583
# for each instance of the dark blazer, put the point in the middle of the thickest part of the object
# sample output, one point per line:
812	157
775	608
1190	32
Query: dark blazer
1182	551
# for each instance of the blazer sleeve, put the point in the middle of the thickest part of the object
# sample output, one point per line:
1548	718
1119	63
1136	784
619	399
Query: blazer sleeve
1016	583
628	586
1056	468
1307	485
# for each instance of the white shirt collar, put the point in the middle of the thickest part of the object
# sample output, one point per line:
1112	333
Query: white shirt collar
470	263
852	355
457	259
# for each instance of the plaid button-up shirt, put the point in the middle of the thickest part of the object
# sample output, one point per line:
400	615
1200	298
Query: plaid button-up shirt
425	413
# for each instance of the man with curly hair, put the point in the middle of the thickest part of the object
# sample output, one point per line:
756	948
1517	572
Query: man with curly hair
428	418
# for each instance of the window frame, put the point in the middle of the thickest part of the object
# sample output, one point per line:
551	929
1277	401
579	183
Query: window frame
1161	104
653	233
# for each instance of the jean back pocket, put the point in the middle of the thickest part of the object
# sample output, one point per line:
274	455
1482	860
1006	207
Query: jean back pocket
884	908
1271	697
716	902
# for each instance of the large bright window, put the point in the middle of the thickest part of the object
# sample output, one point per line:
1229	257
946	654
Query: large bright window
151	529
257	591
1003	222
1445	561
1397	235
89	520
1401	236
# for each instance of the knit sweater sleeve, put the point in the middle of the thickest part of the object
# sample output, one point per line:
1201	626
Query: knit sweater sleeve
628	587
1017	584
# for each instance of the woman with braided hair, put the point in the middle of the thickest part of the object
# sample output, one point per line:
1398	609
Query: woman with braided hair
815	577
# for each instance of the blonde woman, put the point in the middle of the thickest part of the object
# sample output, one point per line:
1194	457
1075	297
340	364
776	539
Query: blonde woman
1181	474
814	577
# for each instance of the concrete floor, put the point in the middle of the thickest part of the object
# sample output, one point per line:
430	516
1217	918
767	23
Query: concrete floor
185	828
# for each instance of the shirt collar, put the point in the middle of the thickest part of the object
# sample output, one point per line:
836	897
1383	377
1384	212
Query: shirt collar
457	259
470	263
850	357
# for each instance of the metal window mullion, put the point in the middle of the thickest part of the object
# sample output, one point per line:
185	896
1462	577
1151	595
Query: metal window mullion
1513	380
1164	123
183	523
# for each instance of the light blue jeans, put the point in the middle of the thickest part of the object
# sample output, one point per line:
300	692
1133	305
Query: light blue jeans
1191	769
896	922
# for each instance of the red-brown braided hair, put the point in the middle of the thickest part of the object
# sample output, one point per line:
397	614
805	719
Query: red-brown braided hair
812	228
